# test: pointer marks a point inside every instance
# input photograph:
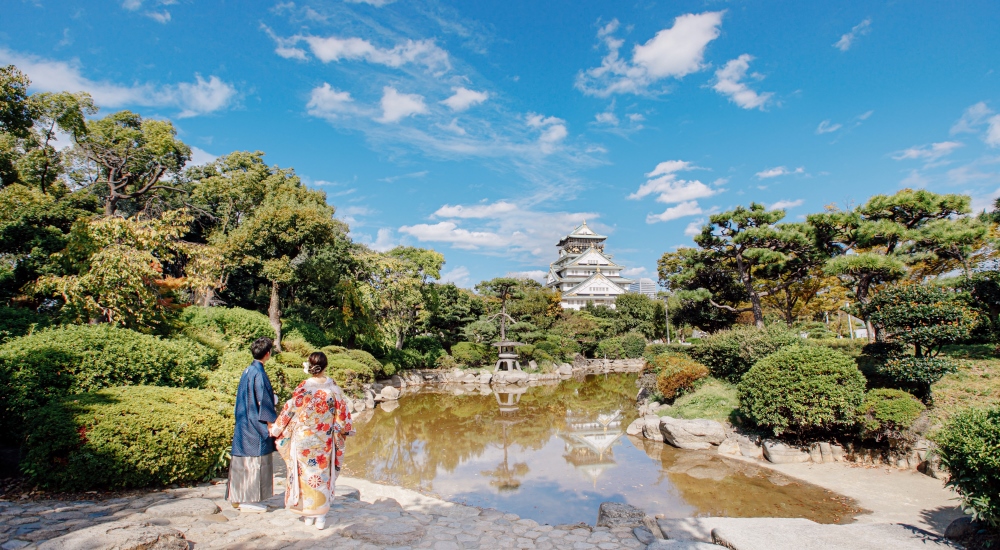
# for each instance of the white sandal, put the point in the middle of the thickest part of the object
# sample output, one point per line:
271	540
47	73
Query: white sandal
321	523
309	520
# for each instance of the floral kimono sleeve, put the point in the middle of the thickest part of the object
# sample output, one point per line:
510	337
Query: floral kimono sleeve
342	427
280	430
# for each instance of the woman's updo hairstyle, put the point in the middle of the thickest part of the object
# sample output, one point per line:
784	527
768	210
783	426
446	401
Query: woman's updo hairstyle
317	362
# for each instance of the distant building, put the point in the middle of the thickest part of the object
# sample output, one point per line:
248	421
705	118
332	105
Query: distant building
584	273
644	286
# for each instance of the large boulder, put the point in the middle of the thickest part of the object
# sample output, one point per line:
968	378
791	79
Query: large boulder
777	452
692	434
120	535
565	369
651	427
635	428
618	514
388	393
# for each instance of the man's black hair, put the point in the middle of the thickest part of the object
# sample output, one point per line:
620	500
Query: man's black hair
261	347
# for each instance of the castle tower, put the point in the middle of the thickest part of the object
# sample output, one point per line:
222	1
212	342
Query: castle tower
584	273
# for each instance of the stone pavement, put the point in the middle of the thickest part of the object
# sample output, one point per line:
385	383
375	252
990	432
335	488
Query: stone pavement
370	516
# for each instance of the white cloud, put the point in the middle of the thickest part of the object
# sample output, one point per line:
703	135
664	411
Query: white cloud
672	190
376	3
286	47
491	210
729	82
453	127
682	210
159	16
974	118
785	205
327	102
669	167
332	48
671	53
397	106
634	271
465	98
865	115
694	228
779	171
928	153
411	175
192	98
825	127
200	157
350	214
459	276
606	117
553	130
450	233
383	240
847	40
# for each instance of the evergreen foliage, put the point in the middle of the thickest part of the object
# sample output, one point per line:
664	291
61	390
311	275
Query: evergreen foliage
730	353
969	448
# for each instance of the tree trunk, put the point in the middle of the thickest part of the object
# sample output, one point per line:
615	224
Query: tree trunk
399	339
789	307
274	314
758	312
110	206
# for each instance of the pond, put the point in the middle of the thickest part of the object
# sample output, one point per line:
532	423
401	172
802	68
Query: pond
554	453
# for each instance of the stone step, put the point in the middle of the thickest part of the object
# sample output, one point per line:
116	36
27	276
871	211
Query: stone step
765	534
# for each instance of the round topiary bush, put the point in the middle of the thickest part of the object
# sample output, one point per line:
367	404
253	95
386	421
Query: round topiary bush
969	447
800	389
888	414
226	328
137	436
469	354
730	353
349	374
677	374
50	364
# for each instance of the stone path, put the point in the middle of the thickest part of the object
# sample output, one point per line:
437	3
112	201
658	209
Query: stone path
370	516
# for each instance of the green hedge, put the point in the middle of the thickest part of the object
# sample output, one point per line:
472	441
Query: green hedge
802	389
970	449
470	354
728	354
18	321
131	437
888	414
50	364
627	346
231	329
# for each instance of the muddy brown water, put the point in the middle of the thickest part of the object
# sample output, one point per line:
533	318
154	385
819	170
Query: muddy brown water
554	453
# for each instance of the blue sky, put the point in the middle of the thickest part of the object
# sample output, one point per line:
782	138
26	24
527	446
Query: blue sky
488	129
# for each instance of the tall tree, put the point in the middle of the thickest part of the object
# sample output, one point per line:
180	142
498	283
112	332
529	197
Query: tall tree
749	243
130	157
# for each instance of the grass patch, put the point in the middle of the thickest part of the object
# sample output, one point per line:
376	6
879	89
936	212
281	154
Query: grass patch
976	384
712	399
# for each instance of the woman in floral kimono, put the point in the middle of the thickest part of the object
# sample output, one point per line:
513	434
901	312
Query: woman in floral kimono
309	434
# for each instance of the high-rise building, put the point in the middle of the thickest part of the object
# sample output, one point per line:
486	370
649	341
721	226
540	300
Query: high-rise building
644	286
584	273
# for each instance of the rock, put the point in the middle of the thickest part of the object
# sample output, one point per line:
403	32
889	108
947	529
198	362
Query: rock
347	492
815	454
384	533
469	378
617	514
643	535
837	452
635	428
748	447
389	393
651	427
767	534
360	405
376	387
565	370
193	507
692	434
777	452
683	545
397	381
961	528
120	535
369	399
730	447
485	377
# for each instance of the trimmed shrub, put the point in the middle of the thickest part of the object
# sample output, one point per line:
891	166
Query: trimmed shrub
633	344
231	329
53	363
887	364
728	354
307	332
349	374
677	374
888	414
284	378
447	362
802	389
365	358
848	346
470	354
19	321
970	449
138	436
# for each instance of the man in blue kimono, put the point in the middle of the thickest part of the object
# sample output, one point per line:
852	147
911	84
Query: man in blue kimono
251	470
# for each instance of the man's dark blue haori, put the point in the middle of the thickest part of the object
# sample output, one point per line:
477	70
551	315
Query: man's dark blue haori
254	409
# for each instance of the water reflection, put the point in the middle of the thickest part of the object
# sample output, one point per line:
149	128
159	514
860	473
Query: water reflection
554	453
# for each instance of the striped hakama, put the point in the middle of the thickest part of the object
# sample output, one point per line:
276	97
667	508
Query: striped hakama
251	479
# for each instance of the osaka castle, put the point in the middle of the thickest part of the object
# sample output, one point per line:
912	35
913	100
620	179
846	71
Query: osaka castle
584	273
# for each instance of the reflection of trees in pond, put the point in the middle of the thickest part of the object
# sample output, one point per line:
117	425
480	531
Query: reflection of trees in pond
728	488
506	477
438	431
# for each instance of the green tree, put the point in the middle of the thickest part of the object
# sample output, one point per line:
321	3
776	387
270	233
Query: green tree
41	163
750	244
636	312
16	113
129	157
451	310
